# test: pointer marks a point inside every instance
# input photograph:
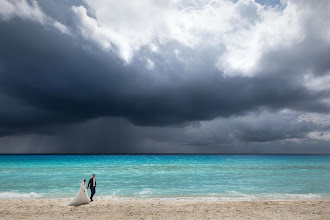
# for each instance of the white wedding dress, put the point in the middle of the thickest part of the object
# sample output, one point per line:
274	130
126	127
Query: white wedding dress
81	198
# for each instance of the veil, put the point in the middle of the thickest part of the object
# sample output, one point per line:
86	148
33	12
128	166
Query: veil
82	185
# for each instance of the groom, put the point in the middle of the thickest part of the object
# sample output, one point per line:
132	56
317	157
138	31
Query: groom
92	184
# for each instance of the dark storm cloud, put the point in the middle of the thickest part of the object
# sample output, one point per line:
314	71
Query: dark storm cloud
52	73
65	86
311	55
263	132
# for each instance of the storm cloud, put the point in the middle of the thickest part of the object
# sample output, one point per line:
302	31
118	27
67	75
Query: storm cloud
194	76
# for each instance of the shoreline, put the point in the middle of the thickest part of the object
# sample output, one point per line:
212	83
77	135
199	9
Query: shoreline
196	199
179	199
200	198
164	209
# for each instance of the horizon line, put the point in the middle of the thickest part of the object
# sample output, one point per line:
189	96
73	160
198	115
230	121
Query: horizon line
164	154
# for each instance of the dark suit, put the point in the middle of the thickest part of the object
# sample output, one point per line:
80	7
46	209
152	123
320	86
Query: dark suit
91	185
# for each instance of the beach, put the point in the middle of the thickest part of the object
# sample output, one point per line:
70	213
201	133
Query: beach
166	187
164	209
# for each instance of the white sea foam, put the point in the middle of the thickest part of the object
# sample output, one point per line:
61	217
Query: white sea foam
229	196
17	195
146	191
287	196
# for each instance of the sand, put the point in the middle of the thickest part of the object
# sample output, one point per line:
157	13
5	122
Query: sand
164	209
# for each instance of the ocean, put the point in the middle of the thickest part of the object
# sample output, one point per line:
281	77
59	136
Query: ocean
180	177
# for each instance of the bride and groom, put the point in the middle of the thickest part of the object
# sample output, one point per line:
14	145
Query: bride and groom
82	197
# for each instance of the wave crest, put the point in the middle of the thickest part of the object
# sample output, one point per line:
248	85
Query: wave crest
18	195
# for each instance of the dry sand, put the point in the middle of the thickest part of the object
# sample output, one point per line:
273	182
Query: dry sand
164	209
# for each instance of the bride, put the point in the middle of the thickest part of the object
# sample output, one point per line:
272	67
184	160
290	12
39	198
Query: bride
82	197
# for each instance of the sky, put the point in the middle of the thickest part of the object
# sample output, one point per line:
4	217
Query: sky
174	76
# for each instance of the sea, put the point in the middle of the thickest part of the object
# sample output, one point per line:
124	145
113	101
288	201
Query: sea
178	177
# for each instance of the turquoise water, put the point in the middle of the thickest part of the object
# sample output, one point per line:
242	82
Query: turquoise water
210	177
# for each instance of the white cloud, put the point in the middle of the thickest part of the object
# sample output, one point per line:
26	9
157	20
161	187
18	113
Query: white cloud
317	83
178	54
241	33
153	48
122	26
61	27
325	136
272	29
30	11
21	8
150	64
106	38
321	119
